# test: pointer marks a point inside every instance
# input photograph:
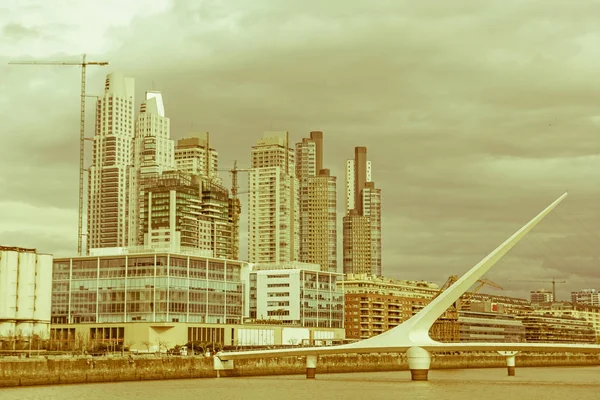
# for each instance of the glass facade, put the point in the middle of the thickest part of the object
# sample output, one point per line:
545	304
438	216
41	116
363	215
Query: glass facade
149	287
321	301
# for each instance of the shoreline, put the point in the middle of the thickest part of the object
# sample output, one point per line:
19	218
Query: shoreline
60	370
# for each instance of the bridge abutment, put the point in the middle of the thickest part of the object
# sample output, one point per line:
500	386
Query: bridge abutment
311	366
419	361
510	361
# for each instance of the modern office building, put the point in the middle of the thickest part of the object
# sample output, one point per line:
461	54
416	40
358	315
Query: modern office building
152	301
273	212
146	287
573	310
586	296
541	296
109	174
25	293
153	154
217	210
296	293
318	205
363	218
194	155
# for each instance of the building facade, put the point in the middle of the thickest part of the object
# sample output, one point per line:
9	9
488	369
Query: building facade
541	296
296	293
555	329
363	218
376	304
194	155
318	205
109	174
490	327
586	296
146	287
25	292
273	212
153	154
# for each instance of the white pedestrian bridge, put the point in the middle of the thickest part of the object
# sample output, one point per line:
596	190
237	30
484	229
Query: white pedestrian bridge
412	336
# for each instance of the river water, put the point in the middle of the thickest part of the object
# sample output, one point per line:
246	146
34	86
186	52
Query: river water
565	383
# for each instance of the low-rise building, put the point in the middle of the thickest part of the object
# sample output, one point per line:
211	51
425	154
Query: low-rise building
554	329
296	293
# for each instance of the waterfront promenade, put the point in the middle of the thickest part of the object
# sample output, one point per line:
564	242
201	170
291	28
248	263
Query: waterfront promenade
40	371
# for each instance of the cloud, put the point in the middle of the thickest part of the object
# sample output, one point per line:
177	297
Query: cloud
476	115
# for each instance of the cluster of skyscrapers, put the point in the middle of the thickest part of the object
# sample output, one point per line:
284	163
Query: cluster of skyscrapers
148	192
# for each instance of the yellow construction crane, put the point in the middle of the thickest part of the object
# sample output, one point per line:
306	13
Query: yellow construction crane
553	281
466	298
83	64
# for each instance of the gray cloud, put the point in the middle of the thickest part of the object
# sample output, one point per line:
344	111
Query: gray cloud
476	116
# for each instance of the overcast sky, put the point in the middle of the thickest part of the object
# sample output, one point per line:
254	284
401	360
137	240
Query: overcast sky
476	114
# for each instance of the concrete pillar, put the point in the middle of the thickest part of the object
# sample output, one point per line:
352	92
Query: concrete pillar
419	361
311	366
510	361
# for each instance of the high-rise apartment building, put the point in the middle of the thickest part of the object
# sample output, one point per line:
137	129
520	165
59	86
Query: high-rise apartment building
273	213
317	202
153	154
362	223
194	155
109	174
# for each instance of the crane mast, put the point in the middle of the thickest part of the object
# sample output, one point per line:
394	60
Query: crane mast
83	64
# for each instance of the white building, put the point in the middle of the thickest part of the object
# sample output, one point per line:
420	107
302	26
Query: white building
25	292
586	296
273	212
108	197
296	293
154	153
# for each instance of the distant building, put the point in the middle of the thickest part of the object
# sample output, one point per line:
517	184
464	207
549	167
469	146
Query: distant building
362	221
376	304
541	296
109	174
574	310
489	326
273	212
317	202
554	329
25	293
586	296
195	156
296	293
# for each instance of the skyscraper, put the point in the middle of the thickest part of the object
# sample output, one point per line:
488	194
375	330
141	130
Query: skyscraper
317	201
108	204
194	155
362	223
153	154
273	201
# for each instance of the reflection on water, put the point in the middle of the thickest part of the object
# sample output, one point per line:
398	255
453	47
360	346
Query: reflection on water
569	383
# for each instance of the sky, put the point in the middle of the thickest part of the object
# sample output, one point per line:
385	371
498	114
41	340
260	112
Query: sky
476	115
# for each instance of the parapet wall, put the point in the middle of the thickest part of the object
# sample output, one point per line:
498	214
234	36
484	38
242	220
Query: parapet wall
42	371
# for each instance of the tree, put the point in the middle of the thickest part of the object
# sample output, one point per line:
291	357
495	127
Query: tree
147	343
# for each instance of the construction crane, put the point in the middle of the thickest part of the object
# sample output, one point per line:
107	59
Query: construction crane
553	281
235	212
83	64
466	298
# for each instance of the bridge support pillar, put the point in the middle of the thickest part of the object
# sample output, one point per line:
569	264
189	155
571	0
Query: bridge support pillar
419	361
510	361
311	366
